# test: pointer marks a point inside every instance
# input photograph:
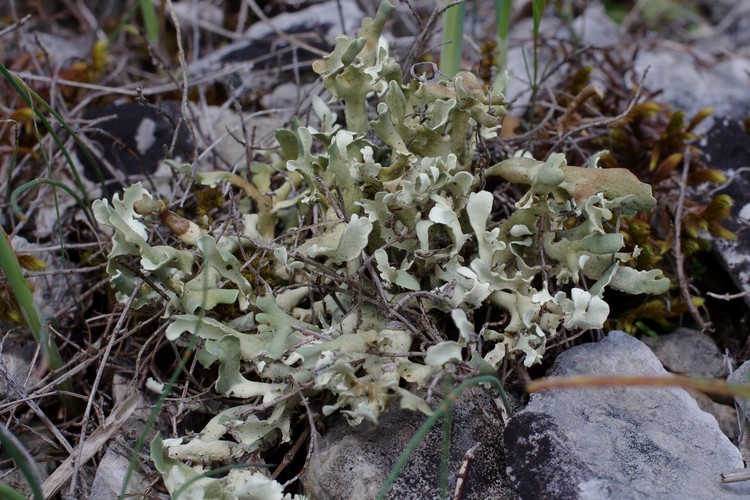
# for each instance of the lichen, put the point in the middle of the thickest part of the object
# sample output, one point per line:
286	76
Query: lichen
380	230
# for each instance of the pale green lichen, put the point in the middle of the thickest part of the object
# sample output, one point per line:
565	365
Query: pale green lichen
401	221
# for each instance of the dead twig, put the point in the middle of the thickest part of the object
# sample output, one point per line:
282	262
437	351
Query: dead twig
15	26
604	121
727	296
284	36
92	395
682	280
463	471
418	48
91	445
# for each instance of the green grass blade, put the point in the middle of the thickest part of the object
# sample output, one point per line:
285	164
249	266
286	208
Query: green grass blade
10	493
150	21
445	449
123	21
537	9
21	291
36	182
453	34
24	462
29	96
502	11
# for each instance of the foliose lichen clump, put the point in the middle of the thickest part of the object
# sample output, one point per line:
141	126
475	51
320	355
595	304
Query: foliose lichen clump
376	232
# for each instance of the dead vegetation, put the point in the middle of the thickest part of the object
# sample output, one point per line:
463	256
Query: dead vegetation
89	60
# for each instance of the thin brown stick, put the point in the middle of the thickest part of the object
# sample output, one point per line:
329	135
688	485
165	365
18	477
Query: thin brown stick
421	41
604	121
15	387
15	25
727	296
735	476
291	40
463	471
92	444
289	455
92	395
58	272
709	386
682	280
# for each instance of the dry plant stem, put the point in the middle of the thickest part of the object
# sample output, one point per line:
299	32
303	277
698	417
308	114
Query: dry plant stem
463	471
80	363
58	272
185	87
58	248
142	362
588	92
414	14
95	386
682	280
289	455
727	296
99	438
312	333
12	384
735	476
186	386
260	408
291	40
32	397
340	11
420	43
314	434
95	288
606	121
154	90
732	177
15	25
708	386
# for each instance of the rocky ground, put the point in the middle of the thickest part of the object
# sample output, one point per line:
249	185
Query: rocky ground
248	74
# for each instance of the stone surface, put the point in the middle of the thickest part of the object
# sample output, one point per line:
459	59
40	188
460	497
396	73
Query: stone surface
110	474
727	147
262	53
615	443
700	75
129	140
354	462
725	415
689	352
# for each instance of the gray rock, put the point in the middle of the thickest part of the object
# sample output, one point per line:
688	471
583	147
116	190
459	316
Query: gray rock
725	415
110	475
354	462
262	52
727	147
704	81
689	352
615	443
